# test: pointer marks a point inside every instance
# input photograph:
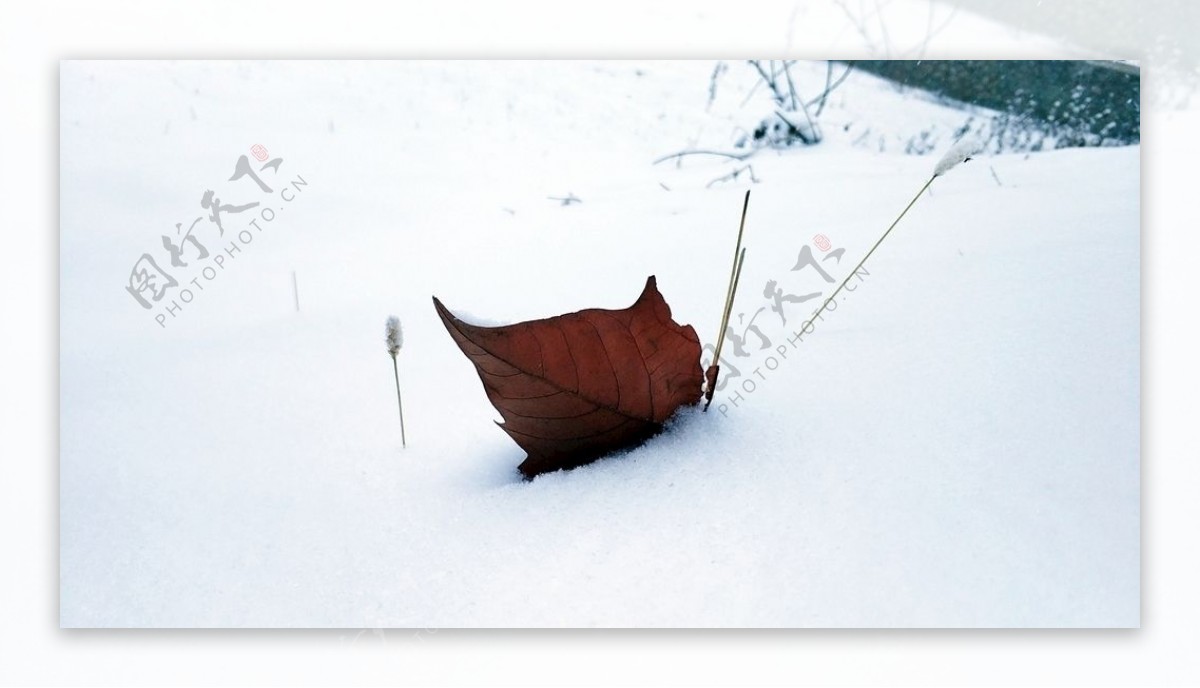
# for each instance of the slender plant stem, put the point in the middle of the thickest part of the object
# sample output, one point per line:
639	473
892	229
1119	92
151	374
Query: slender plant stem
396	370
295	291
737	277
853	272
715	366
829	88
738	254
739	257
787	72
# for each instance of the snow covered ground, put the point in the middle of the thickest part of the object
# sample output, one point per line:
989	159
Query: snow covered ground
956	444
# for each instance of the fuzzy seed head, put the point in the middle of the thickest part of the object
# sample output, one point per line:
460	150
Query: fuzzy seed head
395	335
963	150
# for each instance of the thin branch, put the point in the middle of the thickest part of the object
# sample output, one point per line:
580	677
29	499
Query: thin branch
928	32
787	72
791	127
770	81
733	176
712	84
680	154
859	24
887	41
816	130
829	88
828	80
750	94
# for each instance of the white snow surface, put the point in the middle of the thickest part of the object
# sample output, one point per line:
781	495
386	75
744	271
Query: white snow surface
955	444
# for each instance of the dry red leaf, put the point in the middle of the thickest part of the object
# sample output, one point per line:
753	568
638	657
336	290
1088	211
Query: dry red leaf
575	387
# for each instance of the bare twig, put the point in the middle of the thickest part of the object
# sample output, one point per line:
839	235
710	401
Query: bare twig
828	79
859	24
816	130
805	138
928	32
770	81
712	84
791	127
787	72
750	93
790	102
733	176
723	154
887	41
767	80
819	101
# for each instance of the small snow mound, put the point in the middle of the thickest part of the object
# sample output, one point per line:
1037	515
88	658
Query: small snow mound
472	319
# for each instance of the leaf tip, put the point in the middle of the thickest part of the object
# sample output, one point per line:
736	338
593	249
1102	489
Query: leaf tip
650	289
443	312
